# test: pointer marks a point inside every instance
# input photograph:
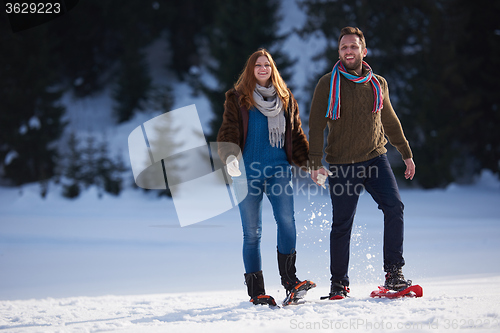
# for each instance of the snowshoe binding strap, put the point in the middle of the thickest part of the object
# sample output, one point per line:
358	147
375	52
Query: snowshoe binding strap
263	300
298	292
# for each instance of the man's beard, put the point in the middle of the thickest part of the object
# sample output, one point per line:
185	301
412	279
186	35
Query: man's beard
353	66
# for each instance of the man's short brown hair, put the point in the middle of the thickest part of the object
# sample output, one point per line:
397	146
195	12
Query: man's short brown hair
353	31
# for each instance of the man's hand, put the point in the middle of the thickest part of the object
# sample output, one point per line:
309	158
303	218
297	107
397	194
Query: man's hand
410	168
319	176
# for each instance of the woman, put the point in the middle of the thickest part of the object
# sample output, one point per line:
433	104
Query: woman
261	118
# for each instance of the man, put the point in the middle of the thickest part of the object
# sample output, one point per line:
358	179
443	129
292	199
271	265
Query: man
355	105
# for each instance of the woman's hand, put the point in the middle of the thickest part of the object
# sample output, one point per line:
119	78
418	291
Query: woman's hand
233	166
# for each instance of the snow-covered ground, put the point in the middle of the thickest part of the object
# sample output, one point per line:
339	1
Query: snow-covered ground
125	264
447	307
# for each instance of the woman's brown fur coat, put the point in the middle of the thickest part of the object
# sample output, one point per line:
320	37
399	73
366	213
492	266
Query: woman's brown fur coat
234	129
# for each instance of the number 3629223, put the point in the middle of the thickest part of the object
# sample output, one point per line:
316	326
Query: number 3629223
33	8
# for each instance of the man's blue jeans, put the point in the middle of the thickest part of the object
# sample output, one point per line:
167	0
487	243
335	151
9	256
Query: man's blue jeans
279	191
346	184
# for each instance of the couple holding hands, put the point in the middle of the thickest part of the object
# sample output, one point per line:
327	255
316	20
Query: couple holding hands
261	117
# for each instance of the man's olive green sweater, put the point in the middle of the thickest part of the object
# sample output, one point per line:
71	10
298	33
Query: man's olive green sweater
359	134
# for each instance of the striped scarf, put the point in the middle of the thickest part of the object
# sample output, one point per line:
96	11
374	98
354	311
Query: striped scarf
333	111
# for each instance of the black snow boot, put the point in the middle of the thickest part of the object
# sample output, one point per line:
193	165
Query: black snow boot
295	289
395	280
256	291
338	290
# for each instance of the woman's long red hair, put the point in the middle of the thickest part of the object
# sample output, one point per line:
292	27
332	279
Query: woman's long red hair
247	80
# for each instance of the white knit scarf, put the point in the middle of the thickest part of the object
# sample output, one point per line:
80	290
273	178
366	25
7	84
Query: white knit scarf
271	106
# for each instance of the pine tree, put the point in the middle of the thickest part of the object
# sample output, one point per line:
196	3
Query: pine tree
70	169
108	49
91	39
30	118
162	100
445	99
108	171
90	164
132	86
239	29
188	24
474	95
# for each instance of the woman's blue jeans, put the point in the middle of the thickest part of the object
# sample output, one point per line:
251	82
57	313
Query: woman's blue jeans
346	184
279	190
